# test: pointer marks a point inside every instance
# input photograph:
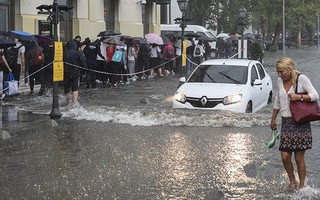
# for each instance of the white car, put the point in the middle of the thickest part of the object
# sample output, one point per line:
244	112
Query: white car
225	84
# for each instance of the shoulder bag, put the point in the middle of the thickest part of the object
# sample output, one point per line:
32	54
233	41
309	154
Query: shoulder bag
304	111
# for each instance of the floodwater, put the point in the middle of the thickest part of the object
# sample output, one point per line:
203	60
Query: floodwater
90	159
127	143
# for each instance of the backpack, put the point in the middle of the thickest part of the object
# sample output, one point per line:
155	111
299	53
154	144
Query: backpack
38	58
12	56
197	51
117	56
169	53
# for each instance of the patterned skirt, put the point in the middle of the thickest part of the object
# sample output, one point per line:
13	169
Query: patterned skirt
295	137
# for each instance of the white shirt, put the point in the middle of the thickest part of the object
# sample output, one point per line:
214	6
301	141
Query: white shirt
154	51
20	51
103	49
282	101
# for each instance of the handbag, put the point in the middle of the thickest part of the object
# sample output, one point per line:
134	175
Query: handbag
304	111
11	85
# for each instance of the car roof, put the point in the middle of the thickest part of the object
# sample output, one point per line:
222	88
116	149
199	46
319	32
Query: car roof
240	62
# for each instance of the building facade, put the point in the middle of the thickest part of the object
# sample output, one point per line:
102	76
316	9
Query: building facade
87	17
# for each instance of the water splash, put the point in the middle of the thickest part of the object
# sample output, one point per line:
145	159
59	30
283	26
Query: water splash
167	117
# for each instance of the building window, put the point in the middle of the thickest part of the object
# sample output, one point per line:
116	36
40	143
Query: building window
3	19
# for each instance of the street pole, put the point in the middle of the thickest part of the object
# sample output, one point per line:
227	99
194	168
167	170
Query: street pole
55	112
242	45
318	29
183	26
183	8
283	29
242	16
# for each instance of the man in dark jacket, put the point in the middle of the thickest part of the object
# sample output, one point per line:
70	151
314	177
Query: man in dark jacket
72	73
91	51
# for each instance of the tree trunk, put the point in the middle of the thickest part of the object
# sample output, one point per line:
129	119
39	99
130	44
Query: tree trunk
298	38
276	36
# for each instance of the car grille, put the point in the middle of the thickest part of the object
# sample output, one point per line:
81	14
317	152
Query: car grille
204	102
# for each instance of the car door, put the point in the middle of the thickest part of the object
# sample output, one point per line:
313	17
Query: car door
265	82
257	90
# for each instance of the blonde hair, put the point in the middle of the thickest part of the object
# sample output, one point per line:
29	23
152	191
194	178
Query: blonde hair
287	63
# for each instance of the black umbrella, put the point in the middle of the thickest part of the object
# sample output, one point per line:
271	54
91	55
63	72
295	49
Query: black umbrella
112	40
21	35
139	40
108	33
173	35
165	39
127	38
191	35
6	43
43	40
206	38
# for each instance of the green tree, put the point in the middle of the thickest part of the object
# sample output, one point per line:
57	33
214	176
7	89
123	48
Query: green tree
265	17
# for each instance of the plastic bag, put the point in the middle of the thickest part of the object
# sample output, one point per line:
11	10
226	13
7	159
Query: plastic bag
11	85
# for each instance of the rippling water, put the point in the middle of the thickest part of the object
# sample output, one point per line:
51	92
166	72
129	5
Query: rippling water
112	146
104	152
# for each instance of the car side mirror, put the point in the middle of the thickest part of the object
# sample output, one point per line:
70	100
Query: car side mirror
257	82
182	80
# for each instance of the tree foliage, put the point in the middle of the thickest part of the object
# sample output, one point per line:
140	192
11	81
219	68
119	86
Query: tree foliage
264	16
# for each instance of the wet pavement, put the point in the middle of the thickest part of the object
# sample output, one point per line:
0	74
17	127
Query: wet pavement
127	143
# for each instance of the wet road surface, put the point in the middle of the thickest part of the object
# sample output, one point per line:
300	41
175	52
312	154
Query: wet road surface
115	146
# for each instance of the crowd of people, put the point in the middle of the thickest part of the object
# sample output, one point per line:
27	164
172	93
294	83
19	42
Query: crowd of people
105	61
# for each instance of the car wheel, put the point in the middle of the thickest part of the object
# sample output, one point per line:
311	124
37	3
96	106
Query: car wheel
249	107
269	98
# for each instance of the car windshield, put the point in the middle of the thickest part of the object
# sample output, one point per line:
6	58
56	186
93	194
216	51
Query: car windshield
209	34
220	74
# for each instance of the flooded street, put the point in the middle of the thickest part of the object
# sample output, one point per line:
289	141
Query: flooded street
128	143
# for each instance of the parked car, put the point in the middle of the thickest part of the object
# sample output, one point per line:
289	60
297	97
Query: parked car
237	85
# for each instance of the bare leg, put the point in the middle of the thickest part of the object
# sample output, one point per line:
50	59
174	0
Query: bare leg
288	166
301	165
75	95
151	73
160	72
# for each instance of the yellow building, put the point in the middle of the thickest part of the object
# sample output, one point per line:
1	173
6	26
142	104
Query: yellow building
87	17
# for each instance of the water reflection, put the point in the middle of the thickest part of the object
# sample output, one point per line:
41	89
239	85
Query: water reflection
238	147
8	113
177	164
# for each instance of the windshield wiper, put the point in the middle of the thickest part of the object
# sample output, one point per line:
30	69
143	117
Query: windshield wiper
212	80
234	80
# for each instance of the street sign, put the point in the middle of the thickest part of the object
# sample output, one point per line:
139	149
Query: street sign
58	71
58	51
58	62
184	54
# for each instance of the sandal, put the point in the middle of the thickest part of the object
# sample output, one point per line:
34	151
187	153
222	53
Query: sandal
274	137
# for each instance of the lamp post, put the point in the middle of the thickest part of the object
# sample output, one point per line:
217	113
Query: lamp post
183	8
283	29
242	16
54	11
55	111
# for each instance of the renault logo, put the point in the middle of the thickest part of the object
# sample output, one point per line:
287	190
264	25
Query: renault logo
203	101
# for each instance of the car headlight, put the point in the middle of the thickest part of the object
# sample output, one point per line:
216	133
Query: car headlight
232	99
181	97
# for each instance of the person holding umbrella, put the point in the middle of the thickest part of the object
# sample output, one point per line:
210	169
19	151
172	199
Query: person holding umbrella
18	63
155	60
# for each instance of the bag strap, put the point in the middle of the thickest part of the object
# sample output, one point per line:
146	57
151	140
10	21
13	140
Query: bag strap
296	89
